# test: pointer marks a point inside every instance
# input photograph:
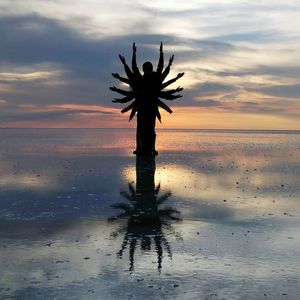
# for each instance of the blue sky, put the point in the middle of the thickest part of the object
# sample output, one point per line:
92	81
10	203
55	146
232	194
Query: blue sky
241	59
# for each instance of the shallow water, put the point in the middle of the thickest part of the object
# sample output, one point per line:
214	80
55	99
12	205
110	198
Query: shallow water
214	216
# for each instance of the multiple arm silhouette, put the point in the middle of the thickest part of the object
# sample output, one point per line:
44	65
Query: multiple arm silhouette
148	217
145	93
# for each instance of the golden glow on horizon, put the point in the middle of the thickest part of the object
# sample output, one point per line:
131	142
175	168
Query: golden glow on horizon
95	108
197	118
193	117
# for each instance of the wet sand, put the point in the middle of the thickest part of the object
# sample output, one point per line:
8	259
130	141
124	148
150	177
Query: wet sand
215	215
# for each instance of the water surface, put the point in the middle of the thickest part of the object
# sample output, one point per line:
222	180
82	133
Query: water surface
214	216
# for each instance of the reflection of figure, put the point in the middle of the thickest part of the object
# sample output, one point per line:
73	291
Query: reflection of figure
145	219
146	89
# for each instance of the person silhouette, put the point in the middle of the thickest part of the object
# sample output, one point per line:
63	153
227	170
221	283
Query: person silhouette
146	89
147	92
148	216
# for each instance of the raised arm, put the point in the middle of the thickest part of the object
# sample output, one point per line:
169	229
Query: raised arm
134	66
160	65
167	70
179	75
127	69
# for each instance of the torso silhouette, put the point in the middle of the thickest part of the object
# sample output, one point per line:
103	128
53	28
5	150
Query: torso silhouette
148	88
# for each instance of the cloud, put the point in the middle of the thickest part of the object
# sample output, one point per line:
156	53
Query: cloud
209	103
54	53
57	57
33	39
53	112
10	77
289	91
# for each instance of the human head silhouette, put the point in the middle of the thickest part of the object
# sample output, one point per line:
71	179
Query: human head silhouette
147	67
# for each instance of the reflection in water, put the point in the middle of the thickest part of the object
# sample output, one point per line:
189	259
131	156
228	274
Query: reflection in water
241	240
146	218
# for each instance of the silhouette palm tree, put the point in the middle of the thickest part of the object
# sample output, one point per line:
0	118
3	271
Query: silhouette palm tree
147	219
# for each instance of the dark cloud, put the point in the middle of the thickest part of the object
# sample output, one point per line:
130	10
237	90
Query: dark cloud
32	41
201	95
85	64
210	88
288	91
11	114
275	107
284	71
209	103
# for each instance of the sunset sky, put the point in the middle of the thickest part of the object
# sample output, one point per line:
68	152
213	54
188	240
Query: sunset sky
241	59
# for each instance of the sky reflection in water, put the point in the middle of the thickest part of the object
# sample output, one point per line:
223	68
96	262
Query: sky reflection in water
222	215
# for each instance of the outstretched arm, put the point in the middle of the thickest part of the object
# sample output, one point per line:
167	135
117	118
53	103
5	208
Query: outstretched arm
160	65
127	69
123	79
134	66
129	107
168	96
177	90
124	100
179	75
167	70
122	92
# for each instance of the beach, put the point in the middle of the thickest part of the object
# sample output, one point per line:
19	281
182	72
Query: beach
216	215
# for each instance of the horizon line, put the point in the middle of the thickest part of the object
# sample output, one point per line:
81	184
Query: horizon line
157	129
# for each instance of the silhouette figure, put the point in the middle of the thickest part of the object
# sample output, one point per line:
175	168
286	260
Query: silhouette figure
146	220
145	93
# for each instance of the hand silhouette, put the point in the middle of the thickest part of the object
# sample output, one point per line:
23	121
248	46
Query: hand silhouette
161	47
133	48
171	60
179	75
179	89
122	59
115	75
113	88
